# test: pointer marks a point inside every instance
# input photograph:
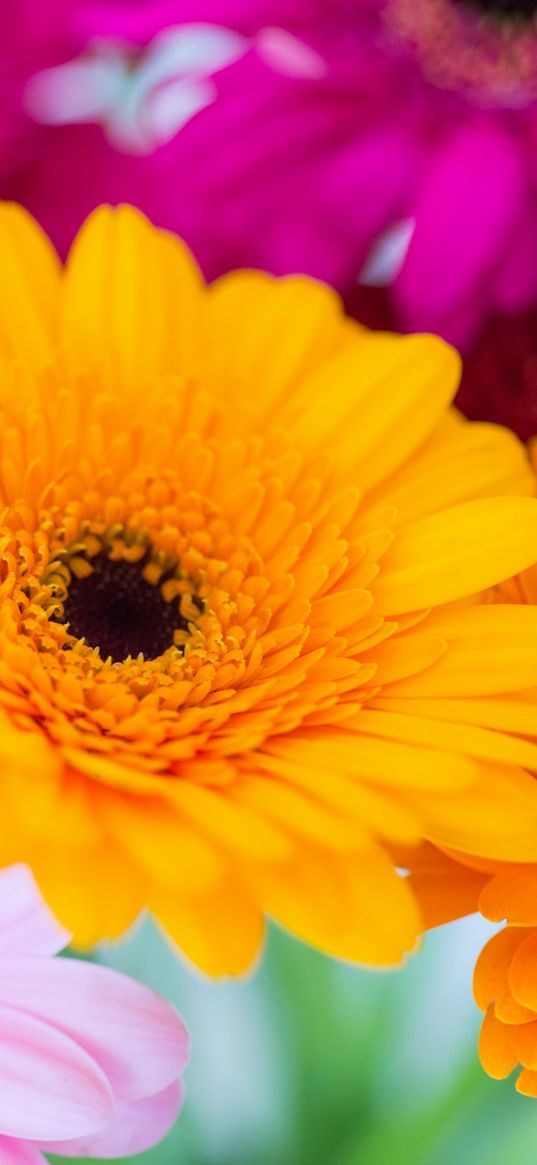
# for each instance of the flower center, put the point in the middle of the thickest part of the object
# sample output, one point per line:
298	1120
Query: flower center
484	50
115	593
508	8
117	611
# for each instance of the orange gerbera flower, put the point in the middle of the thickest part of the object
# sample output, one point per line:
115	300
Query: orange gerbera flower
505	982
450	885
240	644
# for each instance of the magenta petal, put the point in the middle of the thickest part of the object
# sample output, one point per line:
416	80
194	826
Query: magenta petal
140	22
27	926
14	1152
136	1037
516	285
358	193
49	1087
468	210
138	1125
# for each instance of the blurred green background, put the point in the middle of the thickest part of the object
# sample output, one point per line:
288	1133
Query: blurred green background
310	1062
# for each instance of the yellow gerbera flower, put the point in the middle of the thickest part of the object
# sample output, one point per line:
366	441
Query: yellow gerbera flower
241	542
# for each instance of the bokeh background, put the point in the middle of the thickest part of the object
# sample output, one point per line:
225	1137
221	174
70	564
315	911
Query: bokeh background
311	1062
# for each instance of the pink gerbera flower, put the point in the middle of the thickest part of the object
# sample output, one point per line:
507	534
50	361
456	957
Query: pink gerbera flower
89	1060
33	36
391	140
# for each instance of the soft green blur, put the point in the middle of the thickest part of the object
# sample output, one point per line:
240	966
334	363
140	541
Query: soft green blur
309	1062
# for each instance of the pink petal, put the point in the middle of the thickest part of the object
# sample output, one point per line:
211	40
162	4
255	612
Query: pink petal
27	926
353	195
139	23
138	1125
136	1037
467	211
49	1087
19	1153
285	52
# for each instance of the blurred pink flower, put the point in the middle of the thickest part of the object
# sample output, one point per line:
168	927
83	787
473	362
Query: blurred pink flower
89	1060
391	139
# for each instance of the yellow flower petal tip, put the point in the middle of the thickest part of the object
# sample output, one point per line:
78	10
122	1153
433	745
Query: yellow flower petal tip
242	643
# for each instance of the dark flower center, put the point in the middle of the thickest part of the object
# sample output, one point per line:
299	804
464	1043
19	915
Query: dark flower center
508	8
485	51
116	610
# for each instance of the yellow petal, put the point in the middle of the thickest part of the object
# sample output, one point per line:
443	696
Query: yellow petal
31	278
359	910
221	933
232	825
496	817
131	294
508	713
469	741
101	901
388	763
490	649
457	463
265	350
456	553
170	850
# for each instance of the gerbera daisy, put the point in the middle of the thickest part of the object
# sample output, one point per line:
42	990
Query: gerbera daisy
236	526
371	139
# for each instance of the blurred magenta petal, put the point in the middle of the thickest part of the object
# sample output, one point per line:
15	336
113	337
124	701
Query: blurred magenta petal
140	22
87	1055
27	926
137	1126
475	189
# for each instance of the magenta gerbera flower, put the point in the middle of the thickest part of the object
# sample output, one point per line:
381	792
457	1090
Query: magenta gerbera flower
380	139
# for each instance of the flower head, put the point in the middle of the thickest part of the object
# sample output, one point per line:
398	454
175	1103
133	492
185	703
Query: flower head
389	140
449	886
242	547
505	977
89	1060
